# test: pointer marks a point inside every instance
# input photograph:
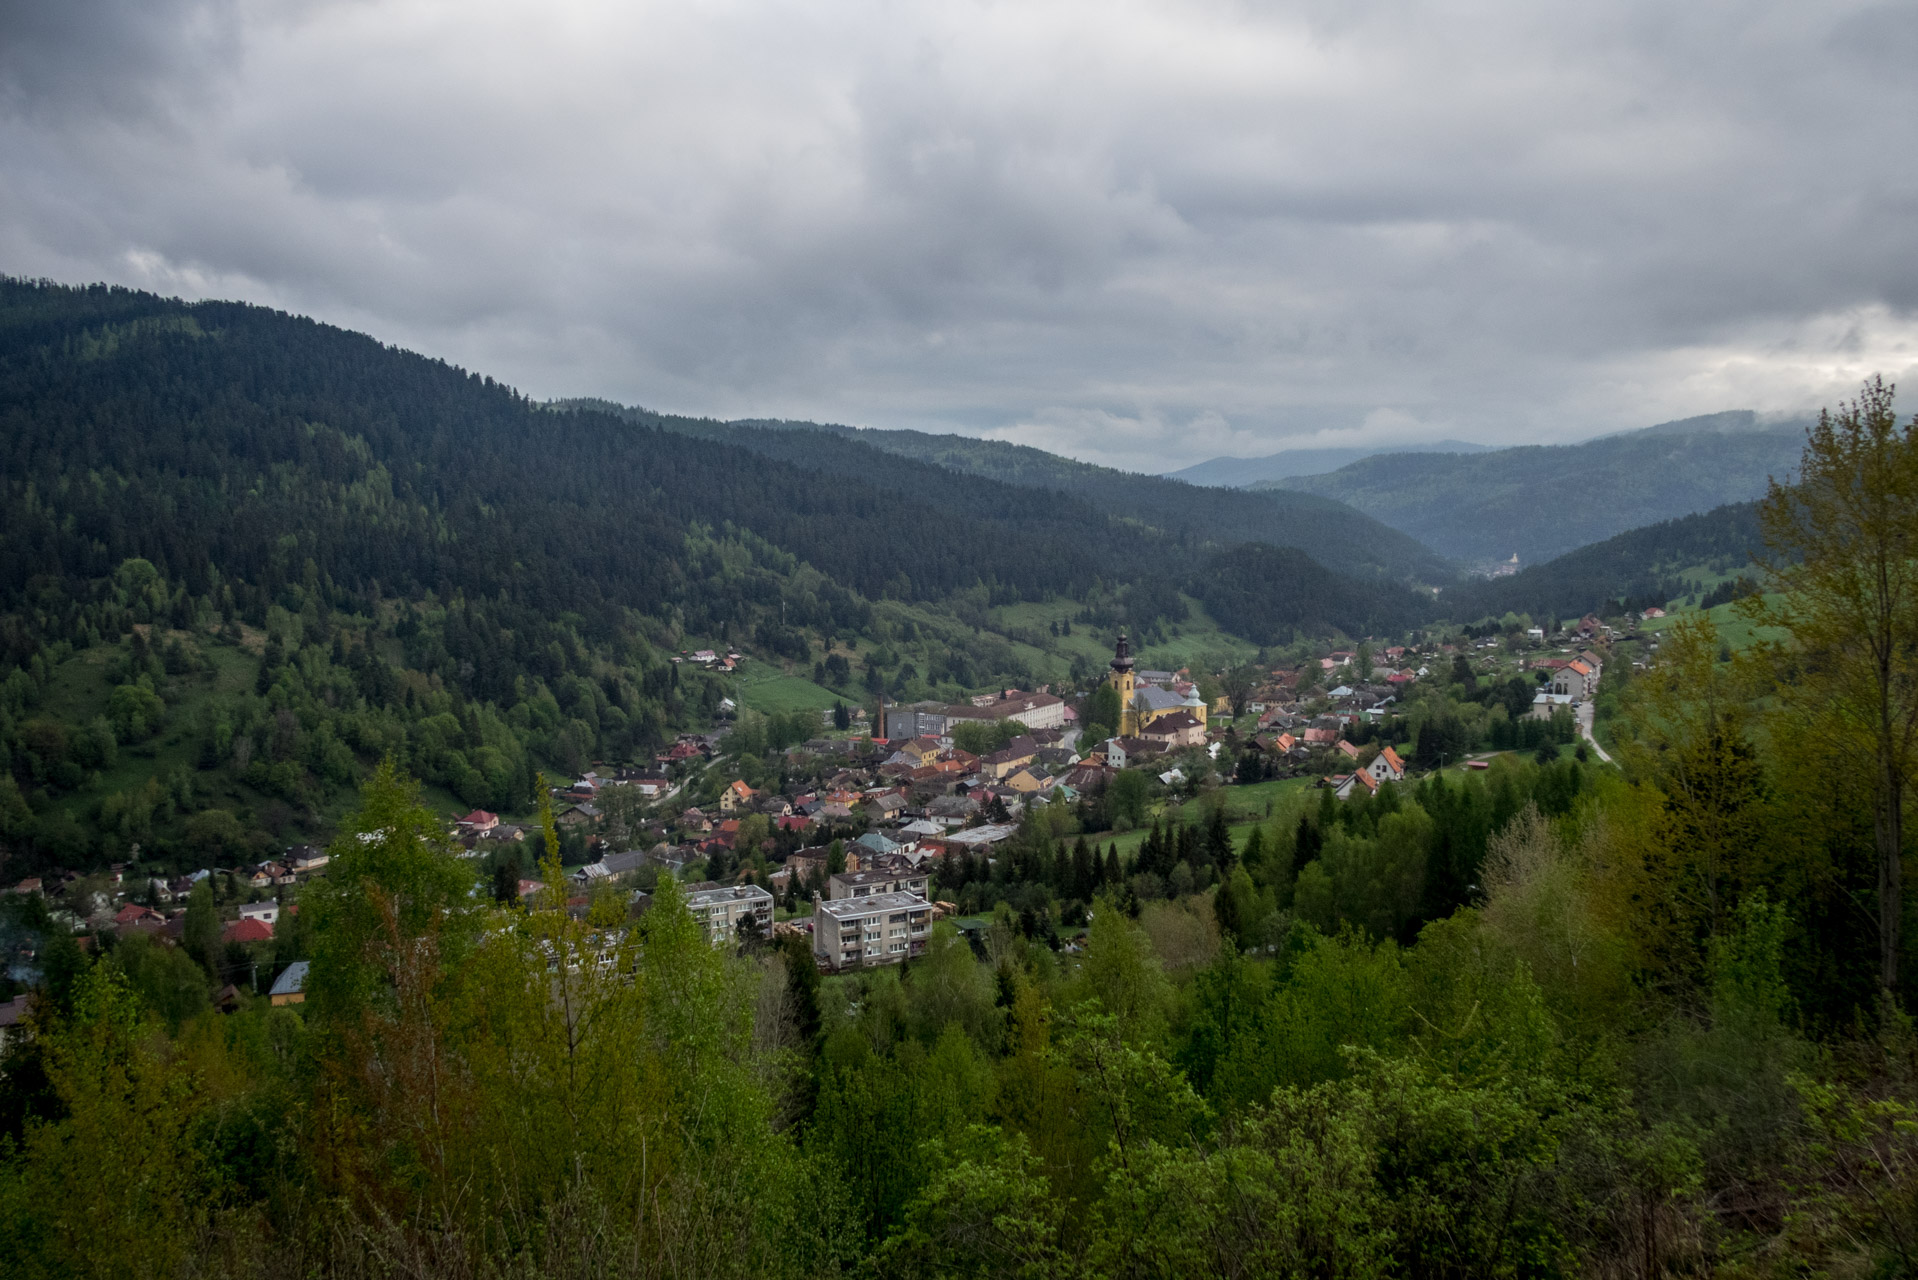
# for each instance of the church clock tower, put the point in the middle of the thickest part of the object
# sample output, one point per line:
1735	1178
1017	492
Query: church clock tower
1120	678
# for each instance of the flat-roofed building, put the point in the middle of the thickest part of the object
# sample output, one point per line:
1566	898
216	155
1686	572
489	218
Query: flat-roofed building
865	884
853	933
720	910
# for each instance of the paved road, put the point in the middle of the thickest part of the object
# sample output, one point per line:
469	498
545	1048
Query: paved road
1584	713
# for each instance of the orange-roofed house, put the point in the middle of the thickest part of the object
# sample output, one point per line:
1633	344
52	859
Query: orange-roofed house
1387	767
1360	783
1573	679
737	795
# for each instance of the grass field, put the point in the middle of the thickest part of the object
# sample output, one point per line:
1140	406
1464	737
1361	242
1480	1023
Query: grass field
765	689
1731	624
1197	642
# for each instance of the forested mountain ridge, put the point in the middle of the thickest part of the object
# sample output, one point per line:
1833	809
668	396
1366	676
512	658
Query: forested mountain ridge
1540	501
243	555
1192	520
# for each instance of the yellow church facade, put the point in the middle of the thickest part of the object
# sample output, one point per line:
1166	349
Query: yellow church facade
1141	705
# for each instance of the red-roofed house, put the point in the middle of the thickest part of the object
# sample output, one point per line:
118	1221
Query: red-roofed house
247	931
134	915
479	820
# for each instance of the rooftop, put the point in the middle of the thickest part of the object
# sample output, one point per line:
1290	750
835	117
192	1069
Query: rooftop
991	833
726	893
291	980
845	907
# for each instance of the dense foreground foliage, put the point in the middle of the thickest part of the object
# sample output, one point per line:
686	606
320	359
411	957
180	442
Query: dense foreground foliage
1642	1049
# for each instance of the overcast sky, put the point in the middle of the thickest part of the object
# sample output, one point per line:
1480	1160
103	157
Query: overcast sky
1143	234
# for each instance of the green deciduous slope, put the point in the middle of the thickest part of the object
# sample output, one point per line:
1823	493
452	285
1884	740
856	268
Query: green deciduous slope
1542	501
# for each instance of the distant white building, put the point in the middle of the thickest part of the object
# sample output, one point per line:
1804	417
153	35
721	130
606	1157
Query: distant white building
1546	705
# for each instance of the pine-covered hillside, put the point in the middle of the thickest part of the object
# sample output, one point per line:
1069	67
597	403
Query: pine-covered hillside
244	555
1193	520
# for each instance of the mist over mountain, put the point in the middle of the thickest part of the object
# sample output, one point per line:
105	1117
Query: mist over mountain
1239	473
1540	501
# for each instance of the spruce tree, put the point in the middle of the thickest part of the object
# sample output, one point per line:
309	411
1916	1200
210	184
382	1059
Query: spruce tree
1218	841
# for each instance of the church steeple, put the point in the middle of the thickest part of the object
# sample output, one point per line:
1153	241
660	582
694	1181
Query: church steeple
1120	678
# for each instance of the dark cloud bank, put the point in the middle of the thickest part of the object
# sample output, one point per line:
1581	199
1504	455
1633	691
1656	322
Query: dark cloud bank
1142	234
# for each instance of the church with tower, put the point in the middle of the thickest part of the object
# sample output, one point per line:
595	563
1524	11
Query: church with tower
1142	705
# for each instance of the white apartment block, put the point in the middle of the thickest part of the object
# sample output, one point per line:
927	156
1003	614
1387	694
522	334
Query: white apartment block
720	910
885	928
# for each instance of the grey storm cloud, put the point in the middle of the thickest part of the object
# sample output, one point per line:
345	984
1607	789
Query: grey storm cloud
1142	233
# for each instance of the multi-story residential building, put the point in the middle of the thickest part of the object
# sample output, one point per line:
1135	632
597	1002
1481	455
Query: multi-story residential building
886	928
720	910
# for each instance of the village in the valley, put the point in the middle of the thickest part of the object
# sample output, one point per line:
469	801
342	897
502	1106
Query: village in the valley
863	836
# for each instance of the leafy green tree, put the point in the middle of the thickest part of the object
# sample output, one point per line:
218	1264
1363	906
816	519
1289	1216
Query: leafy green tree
949	988
1341	992
394	903
1125	797
982	737
165	980
1842	562
1122	972
1100	715
988	1210
114	1186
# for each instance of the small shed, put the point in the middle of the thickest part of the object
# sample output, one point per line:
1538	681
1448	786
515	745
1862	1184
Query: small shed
290	986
